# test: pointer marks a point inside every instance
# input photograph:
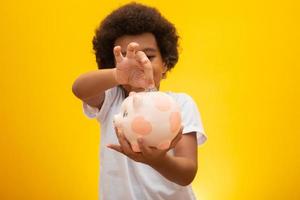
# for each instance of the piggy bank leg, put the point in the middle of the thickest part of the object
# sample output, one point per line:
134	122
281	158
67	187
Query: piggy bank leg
135	147
164	145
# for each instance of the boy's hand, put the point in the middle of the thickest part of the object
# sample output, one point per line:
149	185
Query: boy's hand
134	69
148	155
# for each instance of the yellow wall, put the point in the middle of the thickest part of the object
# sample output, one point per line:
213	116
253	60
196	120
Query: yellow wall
239	61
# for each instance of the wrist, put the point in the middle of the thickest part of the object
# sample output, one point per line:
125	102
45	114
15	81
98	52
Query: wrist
114	73
160	163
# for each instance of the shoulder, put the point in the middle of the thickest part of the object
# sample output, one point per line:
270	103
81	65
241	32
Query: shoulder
191	118
113	98
182	98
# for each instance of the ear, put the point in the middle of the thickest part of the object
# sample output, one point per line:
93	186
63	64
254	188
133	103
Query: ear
165	69
164	72
137	101
131	93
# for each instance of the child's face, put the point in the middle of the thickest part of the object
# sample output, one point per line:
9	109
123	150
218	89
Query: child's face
147	44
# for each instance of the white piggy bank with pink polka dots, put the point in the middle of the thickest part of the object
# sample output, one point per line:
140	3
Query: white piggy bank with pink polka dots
155	116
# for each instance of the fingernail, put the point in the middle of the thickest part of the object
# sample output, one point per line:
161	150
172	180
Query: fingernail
140	140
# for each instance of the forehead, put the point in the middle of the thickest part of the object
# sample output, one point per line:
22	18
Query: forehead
145	41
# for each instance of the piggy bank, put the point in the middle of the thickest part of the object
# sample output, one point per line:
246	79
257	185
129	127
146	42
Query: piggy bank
155	116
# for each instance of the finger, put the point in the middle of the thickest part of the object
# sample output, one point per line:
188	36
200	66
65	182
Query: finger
125	147
147	67
179	134
180	131
124	143
118	54
115	147
145	150
131	49
118	133
177	138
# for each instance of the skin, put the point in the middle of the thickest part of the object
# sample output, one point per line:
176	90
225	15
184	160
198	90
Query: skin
139	66
142	52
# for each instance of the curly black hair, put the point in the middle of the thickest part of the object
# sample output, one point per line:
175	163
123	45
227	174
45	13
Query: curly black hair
135	19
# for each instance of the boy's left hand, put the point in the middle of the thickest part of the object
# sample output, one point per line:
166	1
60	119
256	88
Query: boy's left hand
148	155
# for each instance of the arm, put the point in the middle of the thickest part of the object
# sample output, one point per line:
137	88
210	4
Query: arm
134	69
90	87
180	168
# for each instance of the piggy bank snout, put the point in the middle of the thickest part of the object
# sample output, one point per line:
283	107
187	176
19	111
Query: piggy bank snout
117	120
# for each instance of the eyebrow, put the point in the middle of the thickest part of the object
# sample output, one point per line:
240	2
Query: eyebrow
146	50
149	50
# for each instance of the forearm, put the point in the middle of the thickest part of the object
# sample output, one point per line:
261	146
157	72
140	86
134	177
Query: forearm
179	170
94	83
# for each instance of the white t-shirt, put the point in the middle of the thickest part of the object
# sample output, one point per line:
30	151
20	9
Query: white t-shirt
123	178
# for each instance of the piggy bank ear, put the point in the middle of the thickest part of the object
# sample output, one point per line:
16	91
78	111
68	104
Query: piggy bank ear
132	93
137	101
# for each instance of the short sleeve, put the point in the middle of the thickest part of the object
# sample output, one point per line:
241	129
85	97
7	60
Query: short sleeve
111	95
90	111
191	119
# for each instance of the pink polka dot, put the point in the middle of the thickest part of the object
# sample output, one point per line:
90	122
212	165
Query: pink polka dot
162	102
175	121
141	126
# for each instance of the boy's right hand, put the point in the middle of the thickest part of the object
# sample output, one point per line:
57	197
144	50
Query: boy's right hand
134	69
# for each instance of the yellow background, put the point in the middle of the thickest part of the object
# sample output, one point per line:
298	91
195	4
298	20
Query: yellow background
239	61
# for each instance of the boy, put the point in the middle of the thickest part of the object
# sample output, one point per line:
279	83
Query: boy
135	47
